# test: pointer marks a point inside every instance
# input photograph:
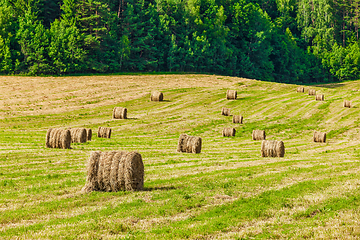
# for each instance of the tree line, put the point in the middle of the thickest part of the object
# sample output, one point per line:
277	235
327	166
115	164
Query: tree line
291	41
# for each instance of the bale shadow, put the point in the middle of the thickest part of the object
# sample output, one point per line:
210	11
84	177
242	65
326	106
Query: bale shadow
149	189
132	118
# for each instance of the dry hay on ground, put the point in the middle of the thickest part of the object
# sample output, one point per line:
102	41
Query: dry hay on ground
258	135
78	135
58	138
225	111
237	119
319	97
347	104
300	89
231	94
114	171
120	113
157	96
312	92
272	148
228	132
88	134
189	144
104	132
319	137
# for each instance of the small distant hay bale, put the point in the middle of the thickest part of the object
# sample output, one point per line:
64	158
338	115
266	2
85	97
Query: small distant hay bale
88	134
58	138
104	132
225	111
300	89
189	144
272	148
231	94
120	113
319	97
319	137
228	132
78	135
312	92
237	119
114	171
258	135
347	104
157	96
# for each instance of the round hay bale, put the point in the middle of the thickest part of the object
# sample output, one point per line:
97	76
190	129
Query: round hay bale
119	113
237	119
258	135
319	97
78	135
114	172
88	134
157	96
134	172
225	111
312	92
92	172
58	138
319	137
48	133
228	132
300	89
272	148
189	144
104	132
347	104
231	94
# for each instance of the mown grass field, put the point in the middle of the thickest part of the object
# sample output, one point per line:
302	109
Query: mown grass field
226	192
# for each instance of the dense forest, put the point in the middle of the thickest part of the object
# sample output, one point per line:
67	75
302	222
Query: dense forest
291	41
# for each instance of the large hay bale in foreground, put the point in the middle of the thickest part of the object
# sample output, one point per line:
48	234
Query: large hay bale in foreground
104	132
114	171
78	135
319	137
312	92
347	104
258	135
189	144
272	148
58	138
237	119
300	89
319	97
231	94
225	111
157	96
228	132
119	113
88	134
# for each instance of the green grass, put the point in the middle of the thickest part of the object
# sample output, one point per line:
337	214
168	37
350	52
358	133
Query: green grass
227	191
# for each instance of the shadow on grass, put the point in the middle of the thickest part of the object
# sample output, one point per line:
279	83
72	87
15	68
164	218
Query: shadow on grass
149	189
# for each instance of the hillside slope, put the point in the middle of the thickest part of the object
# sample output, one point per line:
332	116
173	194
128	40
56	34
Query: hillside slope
226	192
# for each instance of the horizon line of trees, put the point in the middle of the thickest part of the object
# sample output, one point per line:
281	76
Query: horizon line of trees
290	41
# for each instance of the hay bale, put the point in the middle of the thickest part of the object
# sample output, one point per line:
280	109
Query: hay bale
258	135
347	104
104	132
231	94
228	132
319	137
133	172
157	96
300	89
58	138
225	111
189	144
312	92
237	119
119	113
88	134
319	97
78	135
272	148
114	171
